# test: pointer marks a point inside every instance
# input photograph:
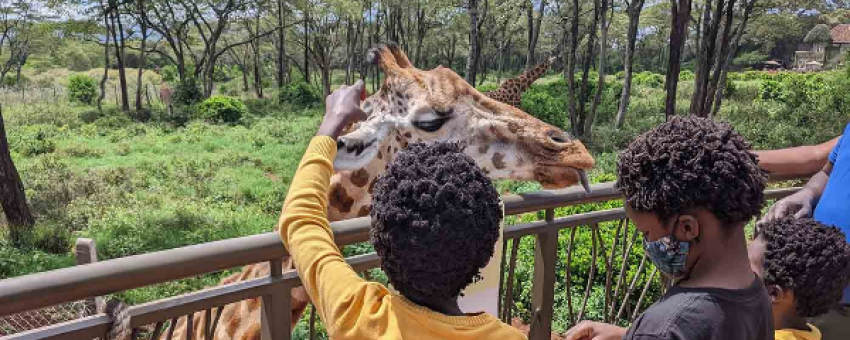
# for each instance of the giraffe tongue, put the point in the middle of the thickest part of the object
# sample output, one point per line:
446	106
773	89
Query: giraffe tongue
582	176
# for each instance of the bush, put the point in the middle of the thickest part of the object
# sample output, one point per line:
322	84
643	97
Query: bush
221	109
82	89
686	75
300	94
12	80
169	73
771	90
188	92
649	79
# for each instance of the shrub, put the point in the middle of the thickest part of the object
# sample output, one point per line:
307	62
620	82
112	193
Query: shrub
89	116
169	73
487	88
12	80
771	90
686	75
221	109
188	92
82	89
300	94
649	79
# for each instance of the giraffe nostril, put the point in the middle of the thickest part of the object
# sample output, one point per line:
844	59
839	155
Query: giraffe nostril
558	136
340	144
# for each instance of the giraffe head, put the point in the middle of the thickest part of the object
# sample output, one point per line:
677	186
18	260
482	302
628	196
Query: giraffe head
415	105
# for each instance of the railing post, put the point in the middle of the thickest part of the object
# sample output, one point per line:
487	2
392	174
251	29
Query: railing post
543	291
275	313
85	251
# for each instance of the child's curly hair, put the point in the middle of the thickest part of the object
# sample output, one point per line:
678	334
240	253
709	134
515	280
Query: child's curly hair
809	258
692	162
435	220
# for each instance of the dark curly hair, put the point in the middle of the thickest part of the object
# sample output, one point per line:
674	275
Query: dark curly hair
692	162
809	258
435	221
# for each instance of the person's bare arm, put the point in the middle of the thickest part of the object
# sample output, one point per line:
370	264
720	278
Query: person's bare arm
797	161
802	203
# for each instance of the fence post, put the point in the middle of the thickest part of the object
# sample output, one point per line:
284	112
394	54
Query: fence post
543	291
85	250
276	314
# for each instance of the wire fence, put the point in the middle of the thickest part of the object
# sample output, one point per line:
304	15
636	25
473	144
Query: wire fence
33	319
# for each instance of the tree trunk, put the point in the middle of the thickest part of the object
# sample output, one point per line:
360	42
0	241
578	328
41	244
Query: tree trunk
635	7
118	32
588	60
733	49
282	62
681	14
472	58
569	70
142	58
12	195
534	25
600	83
106	61
307	53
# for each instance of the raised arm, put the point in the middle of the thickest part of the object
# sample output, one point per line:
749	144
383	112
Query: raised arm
303	225
797	161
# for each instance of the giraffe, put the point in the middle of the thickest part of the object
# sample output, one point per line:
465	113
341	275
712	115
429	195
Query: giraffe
412	105
510	92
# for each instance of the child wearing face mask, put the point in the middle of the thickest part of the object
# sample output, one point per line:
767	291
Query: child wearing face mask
804	265
690	186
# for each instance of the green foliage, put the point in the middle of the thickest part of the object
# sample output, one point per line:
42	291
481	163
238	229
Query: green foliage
685	75
221	109
299	93
648	79
818	35
82	89
169	73
12	80
750	58
771	90
188	92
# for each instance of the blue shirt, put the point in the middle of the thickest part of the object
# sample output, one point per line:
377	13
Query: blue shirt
833	208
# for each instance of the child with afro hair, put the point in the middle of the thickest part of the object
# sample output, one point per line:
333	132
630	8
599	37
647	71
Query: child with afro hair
435	221
690	185
805	266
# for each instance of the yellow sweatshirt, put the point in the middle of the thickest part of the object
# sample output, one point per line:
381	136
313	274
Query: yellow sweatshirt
351	307
794	334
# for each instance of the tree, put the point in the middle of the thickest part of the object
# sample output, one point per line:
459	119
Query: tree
533	29
476	19
17	30
680	11
818	35
13	199
600	83
633	8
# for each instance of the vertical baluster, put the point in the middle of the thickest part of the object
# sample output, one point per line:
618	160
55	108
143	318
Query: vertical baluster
591	276
609	263
190	329
568	278
501	280
275	314
510	286
171	328
157	330
215	320
631	288
643	293
624	268
543	291
207	324
312	322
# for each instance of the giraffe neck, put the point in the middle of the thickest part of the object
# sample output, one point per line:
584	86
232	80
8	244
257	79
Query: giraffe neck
351	190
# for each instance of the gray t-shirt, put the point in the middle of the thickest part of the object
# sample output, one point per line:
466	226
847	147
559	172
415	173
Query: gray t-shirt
707	314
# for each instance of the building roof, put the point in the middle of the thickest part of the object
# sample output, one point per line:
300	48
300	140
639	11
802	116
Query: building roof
840	34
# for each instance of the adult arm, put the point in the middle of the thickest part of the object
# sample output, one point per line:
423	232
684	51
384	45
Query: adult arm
331	283
802	203
797	161
590	330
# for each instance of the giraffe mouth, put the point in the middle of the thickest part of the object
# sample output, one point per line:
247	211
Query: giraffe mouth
354	154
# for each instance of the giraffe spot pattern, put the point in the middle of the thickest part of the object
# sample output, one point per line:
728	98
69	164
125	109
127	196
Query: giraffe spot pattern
340	200
499	160
360	178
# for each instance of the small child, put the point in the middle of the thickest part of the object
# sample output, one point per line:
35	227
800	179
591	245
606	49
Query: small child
690	186
435	222
805	266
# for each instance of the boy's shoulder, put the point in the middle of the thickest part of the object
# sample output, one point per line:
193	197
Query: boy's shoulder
706	313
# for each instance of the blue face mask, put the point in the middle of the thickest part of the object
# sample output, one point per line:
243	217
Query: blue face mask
669	255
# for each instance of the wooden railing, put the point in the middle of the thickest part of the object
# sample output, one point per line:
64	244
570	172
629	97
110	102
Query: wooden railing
622	300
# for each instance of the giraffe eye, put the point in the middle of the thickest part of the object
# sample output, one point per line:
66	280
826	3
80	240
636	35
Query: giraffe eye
430	125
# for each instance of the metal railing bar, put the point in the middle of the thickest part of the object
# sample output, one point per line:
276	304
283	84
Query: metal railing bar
571	221
592	274
643	293
568	277
157	331
207	324
81	329
511	272
631	287
625	264
171	328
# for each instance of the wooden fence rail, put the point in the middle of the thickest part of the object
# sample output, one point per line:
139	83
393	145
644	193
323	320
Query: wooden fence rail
622	301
